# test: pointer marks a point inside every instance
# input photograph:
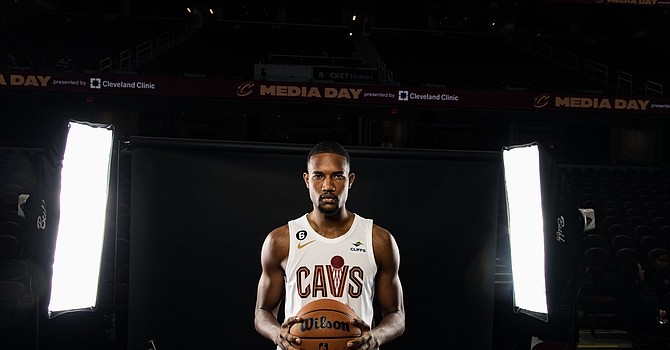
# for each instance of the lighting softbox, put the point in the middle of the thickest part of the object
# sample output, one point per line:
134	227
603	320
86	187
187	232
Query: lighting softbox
545	228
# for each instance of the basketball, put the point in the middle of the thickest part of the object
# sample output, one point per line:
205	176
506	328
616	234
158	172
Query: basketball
325	325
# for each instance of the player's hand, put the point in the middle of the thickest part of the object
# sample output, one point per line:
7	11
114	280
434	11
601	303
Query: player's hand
366	340
285	339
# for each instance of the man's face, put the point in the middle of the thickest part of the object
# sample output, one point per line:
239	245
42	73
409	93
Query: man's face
328	180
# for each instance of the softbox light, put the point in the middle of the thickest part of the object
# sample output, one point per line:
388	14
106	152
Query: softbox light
84	188
544	228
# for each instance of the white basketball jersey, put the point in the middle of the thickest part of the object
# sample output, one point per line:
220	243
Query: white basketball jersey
341	268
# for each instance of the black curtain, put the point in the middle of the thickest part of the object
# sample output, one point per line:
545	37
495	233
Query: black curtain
201	210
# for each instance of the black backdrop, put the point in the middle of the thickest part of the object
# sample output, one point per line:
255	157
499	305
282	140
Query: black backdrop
201	210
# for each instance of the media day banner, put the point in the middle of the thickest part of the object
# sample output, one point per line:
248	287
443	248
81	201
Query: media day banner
92	84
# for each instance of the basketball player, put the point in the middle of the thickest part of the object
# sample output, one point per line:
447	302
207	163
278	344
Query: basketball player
330	252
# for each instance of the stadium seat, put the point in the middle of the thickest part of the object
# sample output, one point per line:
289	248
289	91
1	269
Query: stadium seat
659	222
631	204
635	221
594	240
634	212
612	220
597	294
623	241
627	255
617	230
643	230
649	243
664	234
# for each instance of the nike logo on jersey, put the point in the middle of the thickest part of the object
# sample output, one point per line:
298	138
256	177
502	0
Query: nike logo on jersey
303	245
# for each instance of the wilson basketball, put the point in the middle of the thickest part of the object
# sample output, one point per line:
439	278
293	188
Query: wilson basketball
325	325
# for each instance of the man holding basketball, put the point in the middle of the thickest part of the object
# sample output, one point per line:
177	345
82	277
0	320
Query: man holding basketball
332	253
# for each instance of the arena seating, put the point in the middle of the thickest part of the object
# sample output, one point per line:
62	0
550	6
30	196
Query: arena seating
623	201
19	292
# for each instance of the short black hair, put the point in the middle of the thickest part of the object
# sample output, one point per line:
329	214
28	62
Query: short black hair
329	147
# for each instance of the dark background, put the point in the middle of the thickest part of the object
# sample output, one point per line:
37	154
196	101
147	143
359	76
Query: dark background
195	256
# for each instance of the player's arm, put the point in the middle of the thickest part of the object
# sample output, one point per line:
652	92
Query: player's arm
271	288
388	288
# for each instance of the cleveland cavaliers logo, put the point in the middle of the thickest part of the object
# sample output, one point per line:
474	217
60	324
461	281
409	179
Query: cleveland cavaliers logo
333	280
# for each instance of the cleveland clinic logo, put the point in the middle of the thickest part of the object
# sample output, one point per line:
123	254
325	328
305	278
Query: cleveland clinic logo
96	83
403	95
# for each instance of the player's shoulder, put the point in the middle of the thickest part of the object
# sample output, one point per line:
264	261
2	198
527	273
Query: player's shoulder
280	232
380	233
277	241
376	228
384	246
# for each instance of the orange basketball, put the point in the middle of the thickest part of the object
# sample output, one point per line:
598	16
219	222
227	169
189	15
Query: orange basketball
325	325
